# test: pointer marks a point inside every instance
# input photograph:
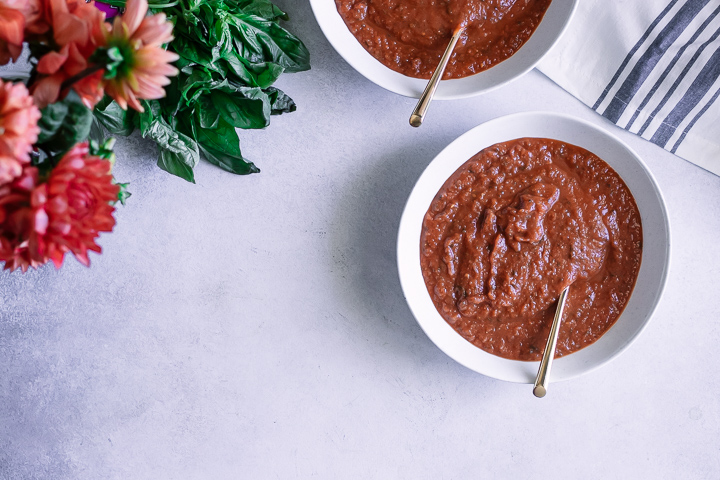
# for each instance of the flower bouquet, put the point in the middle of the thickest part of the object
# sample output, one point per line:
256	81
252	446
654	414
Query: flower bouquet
185	74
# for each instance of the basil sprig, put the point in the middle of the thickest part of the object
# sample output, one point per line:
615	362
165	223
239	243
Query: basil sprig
231	53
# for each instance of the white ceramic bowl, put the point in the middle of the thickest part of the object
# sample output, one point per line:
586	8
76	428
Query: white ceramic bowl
548	32
656	243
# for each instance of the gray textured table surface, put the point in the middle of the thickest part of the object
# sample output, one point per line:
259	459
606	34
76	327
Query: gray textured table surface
254	327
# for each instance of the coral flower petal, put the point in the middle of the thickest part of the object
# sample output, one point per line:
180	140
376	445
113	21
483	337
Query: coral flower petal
52	61
70	28
76	62
47	90
18	129
134	14
12	24
155	31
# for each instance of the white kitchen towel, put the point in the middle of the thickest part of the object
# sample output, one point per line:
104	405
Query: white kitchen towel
650	66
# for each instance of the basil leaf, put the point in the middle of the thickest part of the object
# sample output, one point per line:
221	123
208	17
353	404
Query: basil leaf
263	8
279	101
195	52
207	113
97	132
51	120
221	146
229	162
249	108
63	124
179	153
260	40
176	163
115	120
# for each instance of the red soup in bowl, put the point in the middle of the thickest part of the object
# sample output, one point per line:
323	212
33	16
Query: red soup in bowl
515	225
410	36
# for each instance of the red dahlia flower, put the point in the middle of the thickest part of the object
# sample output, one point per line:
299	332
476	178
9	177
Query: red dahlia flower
66	214
17	222
77	201
18	129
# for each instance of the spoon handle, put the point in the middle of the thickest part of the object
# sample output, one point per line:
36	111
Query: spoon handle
541	380
418	114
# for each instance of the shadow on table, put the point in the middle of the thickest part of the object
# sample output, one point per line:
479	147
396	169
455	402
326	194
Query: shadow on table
364	249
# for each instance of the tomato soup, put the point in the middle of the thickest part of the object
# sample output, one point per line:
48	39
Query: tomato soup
514	226
410	36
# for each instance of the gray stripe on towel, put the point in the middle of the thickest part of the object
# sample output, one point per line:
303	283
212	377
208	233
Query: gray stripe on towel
632	52
697	117
678	80
647	62
699	88
670	66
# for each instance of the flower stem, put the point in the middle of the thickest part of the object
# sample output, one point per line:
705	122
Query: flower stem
85	73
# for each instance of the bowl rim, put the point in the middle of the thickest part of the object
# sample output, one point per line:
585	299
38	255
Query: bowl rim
666	258
326	21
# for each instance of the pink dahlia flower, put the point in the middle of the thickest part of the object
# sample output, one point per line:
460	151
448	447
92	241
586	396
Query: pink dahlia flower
147	65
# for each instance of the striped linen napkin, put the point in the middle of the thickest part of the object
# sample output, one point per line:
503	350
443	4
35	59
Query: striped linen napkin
651	67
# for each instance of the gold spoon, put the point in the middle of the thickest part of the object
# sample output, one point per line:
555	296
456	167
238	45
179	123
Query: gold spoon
418	114
541	380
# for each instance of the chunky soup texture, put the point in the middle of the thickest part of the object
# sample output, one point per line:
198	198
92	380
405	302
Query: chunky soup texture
410	36
514	226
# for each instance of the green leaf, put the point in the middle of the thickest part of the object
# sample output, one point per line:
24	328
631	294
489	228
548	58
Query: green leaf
152	112
63	124
266	73
263	8
115	120
194	51
279	101
123	194
173	102
177	164
51	120
228	162
249	108
194	84
207	114
97	132
221	146
260	40
179	154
